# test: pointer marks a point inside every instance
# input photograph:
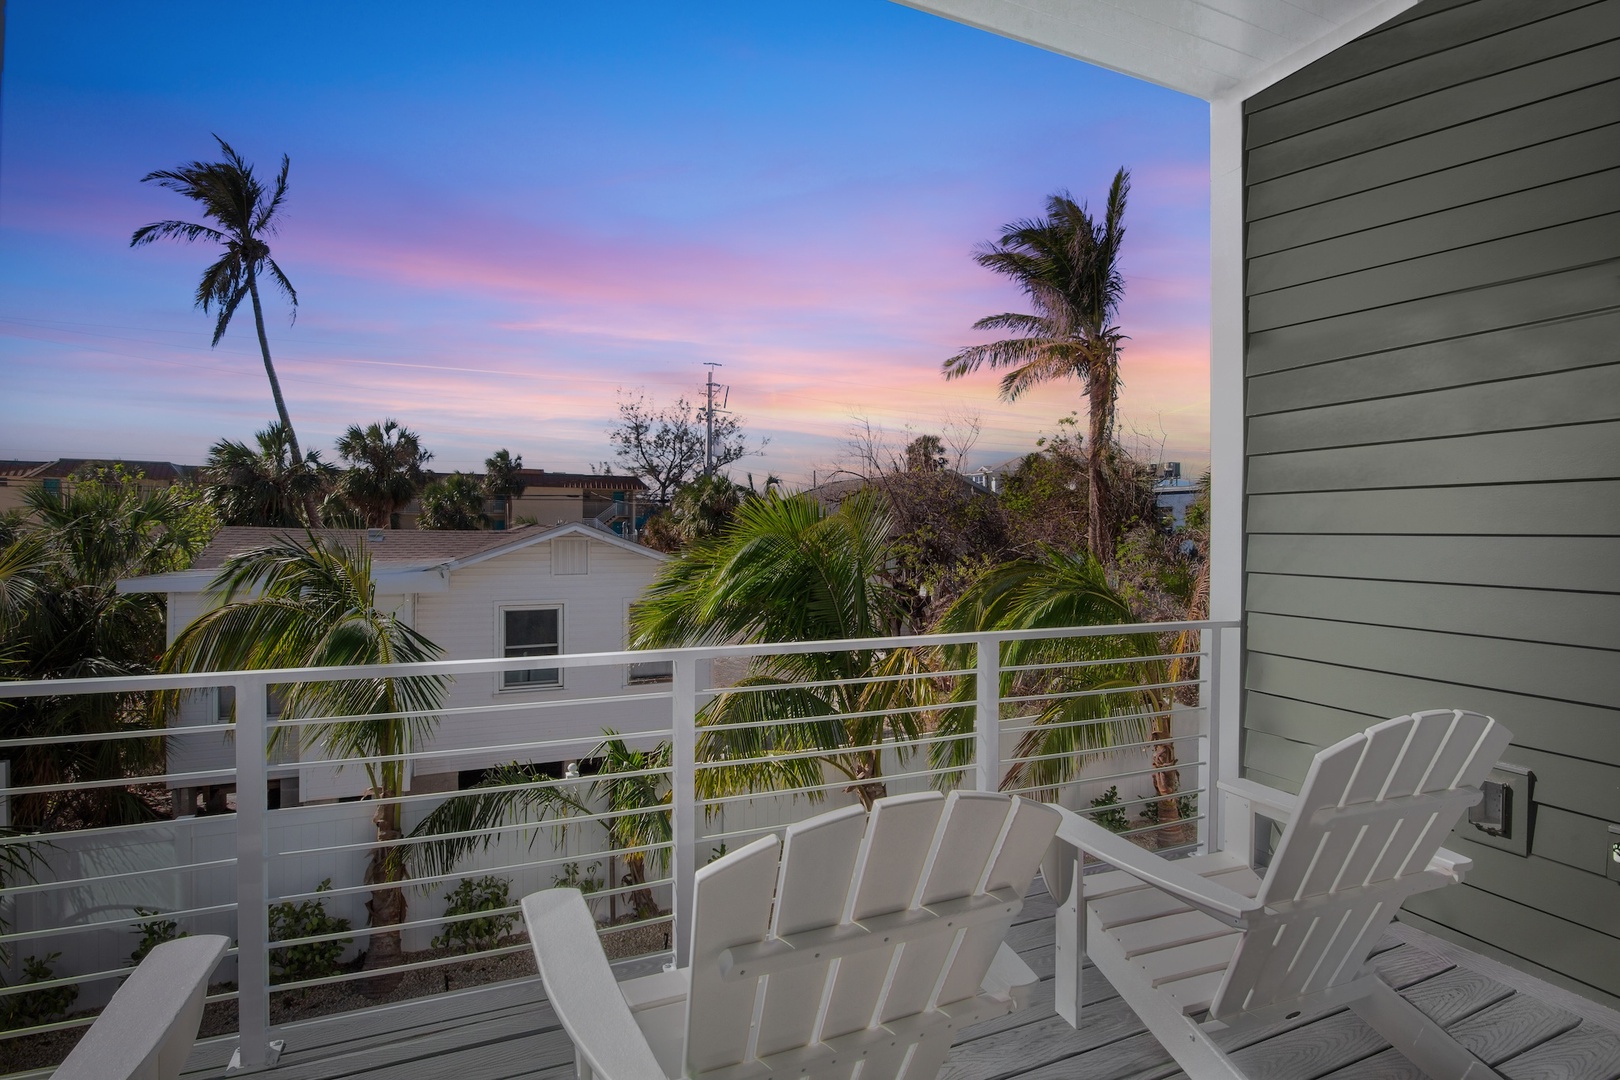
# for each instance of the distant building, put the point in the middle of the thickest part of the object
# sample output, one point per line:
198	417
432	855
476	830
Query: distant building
526	591
1173	493
619	504
16	477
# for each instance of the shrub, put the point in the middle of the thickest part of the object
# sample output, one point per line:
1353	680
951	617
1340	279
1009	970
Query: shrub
36	1006
153	933
312	960
1186	809
1109	815
469	898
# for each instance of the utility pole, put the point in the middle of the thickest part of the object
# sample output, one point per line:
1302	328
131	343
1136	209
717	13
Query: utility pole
708	419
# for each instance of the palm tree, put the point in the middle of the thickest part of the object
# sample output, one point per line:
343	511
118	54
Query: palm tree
385	469
267	485
62	616
1068	264
314	605
633	785
1092	693
787	570
503	480
453	502
234	199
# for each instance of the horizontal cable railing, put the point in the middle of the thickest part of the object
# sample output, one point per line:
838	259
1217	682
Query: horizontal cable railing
228	818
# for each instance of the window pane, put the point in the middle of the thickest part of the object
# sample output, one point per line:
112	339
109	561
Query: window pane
533	632
533	627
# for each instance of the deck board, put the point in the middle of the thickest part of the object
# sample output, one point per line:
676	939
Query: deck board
509	1032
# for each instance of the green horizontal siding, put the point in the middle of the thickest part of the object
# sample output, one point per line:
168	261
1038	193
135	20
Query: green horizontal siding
1432	443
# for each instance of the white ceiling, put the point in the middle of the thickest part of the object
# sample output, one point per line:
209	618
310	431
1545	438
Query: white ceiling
1199	47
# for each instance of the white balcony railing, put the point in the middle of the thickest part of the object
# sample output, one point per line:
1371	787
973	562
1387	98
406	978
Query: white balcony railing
89	893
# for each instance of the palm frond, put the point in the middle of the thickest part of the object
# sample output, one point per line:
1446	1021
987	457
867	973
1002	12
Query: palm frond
175	230
508	794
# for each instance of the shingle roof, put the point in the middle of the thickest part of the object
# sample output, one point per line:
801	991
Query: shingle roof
65	467
395	548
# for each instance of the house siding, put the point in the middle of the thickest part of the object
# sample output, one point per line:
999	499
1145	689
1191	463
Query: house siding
1432	432
465	622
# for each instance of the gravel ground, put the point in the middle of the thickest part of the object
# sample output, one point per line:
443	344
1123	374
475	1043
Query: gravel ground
48	1049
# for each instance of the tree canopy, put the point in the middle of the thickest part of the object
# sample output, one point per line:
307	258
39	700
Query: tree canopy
264	485
62	617
312	602
665	446
1068	266
384	469
243	213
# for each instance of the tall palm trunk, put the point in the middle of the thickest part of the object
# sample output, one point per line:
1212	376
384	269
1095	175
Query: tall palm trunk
387	905
386	868
1101	391
310	516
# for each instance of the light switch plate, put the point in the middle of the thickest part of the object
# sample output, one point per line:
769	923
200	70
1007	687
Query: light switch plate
1502	819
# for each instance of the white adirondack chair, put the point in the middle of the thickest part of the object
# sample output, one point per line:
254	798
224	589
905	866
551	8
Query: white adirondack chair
1200	944
854	941
147	1029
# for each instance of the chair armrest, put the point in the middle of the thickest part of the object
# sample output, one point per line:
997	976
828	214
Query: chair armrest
1227	905
1275	804
581	987
1010	977
150	1025
1451	864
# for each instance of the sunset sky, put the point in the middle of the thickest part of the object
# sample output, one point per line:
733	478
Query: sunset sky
502	216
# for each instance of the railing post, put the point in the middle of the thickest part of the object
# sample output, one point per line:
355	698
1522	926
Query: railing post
254	1051
987	715
1209	667
683	800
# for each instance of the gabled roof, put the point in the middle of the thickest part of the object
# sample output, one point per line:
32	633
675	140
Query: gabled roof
389	547
402	560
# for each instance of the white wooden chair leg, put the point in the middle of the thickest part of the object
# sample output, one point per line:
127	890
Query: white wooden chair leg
1424	1042
1070	932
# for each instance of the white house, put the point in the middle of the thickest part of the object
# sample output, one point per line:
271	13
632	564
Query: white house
524	592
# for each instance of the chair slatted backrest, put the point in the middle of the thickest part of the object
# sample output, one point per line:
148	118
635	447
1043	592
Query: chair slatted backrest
844	930
1373	811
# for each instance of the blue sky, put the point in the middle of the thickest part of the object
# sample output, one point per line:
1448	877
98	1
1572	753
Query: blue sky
502	217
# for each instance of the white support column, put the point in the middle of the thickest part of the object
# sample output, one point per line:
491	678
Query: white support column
683	802
987	715
1226	427
254	1051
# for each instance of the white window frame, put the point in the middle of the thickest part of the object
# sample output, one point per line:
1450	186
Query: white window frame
630	678
501	685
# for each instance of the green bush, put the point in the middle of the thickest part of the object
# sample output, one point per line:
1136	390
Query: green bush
312	960
36	1006
472	896
1108	814
1186	809
153	933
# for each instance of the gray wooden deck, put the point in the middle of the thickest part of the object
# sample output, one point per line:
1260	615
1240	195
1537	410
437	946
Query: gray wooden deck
1527	1030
